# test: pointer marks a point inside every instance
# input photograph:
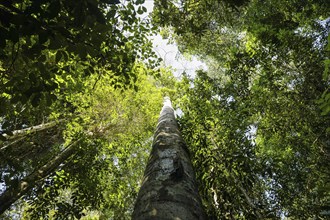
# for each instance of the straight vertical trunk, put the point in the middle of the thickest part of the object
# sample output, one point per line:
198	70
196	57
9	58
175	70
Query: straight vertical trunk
169	189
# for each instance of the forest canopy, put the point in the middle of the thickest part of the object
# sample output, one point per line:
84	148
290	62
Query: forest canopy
81	90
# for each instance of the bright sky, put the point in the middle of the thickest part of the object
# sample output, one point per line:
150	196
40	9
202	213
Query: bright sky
171	55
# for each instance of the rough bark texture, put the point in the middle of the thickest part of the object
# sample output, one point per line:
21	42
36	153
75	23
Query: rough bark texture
13	193
23	132
169	189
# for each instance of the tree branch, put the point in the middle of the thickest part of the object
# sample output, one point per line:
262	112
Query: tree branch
13	193
23	132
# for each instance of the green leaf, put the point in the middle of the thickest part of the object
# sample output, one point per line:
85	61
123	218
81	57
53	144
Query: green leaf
139	2
130	6
140	10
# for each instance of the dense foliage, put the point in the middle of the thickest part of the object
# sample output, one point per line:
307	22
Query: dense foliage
80	93
257	121
79	103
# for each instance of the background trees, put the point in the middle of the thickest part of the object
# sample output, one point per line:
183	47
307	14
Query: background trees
44	40
76	117
113	129
255	121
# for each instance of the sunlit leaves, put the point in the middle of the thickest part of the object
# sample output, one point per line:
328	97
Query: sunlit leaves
116	126
78	62
73	32
264	102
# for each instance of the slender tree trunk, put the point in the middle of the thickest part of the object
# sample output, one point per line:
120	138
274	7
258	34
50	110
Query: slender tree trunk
23	132
169	189
13	193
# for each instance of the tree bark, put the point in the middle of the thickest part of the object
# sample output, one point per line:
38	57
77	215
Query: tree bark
169	189
13	193
23	132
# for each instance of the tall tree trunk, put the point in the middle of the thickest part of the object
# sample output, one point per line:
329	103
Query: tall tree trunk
169	189
13	193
